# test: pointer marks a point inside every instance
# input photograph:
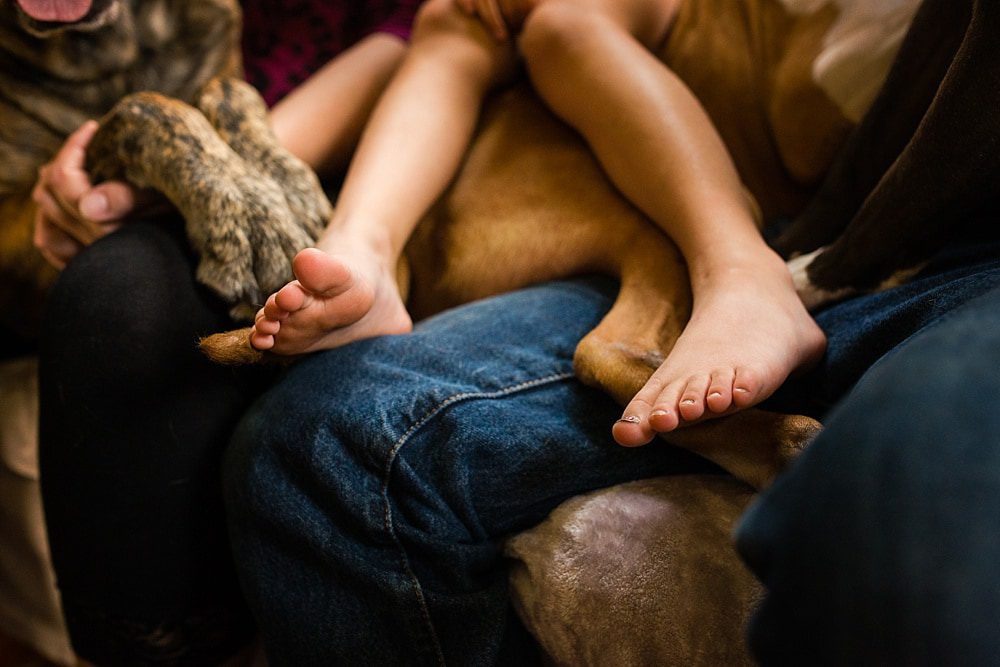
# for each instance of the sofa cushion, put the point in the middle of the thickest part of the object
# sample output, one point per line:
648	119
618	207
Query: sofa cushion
642	573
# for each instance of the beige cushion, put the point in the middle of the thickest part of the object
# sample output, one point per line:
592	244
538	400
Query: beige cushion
29	602
638	574
19	416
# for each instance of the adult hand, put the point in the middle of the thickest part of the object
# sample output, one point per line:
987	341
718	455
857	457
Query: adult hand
71	213
500	16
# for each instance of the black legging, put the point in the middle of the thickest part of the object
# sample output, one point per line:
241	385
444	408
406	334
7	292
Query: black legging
133	423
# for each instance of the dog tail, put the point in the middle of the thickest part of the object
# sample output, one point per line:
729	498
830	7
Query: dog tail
231	348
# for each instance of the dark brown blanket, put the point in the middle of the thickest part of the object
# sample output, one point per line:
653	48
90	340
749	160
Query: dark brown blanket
926	155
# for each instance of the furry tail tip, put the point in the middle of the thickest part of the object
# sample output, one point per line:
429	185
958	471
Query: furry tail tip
231	348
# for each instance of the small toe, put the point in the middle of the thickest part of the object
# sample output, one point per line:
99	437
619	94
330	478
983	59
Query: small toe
261	341
267	327
692	403
664	418
289	299
720	391
746	388
272	310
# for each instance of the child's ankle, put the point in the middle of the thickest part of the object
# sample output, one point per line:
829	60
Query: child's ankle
347	238
739	266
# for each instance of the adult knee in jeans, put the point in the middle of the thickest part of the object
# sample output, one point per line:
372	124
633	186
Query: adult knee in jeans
394	531
879	544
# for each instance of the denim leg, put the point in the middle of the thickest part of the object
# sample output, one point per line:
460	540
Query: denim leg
881	545
370	491
862	330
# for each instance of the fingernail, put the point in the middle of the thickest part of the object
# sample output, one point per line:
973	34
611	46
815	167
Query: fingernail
658	413
629	419
715	393
94	205
742	390
688	401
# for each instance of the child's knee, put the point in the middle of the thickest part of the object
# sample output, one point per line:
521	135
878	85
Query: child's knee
556	31
437	18
462	43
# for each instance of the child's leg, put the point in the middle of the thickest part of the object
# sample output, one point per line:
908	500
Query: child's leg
408	154
591	61
320	121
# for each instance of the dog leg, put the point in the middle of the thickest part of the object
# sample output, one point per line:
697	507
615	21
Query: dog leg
239	115
652	306
239	222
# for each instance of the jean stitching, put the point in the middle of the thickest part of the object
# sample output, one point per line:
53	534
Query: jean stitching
398	445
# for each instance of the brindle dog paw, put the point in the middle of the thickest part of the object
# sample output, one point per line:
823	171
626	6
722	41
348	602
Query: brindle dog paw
239	115
238	220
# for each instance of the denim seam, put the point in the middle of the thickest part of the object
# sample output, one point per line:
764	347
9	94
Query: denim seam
398	445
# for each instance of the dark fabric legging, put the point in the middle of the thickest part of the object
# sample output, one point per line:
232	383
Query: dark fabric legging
133	423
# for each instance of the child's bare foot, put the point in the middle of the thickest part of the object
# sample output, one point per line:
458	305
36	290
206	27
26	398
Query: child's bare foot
748	332
336	299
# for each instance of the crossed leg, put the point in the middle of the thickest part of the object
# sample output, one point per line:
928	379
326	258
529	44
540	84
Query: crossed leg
592	61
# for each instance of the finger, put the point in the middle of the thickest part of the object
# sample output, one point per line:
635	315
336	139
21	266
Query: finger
80	138
56	215
467	6
63	184
56	246
111	200
489	12
66	175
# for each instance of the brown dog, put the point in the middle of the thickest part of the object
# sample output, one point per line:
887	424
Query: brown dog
530	197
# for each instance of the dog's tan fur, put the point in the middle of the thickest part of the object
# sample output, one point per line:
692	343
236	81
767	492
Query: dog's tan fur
530	203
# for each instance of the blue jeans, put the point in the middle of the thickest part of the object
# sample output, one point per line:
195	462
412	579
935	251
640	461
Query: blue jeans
881	545
370	491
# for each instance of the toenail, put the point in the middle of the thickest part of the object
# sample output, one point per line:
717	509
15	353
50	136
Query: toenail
630	419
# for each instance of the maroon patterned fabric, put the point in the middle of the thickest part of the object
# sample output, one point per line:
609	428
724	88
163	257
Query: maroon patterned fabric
284	41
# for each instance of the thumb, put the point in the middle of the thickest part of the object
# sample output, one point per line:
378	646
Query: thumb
111	200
